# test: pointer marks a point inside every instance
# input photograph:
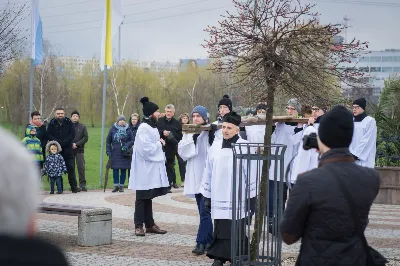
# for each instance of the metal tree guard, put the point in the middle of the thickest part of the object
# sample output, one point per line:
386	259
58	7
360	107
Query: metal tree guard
250	158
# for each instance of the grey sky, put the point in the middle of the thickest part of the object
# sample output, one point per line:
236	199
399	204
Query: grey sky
158	31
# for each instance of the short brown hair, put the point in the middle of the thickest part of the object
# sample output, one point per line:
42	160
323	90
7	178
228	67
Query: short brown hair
35	113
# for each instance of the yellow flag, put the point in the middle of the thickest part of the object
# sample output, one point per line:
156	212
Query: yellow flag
113	17
108	50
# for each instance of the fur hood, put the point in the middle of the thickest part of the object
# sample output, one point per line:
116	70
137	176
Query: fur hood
53	142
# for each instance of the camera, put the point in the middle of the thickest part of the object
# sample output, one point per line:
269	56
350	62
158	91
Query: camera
310	142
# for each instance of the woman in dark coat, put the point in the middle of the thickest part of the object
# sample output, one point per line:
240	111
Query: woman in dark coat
119	140
184	119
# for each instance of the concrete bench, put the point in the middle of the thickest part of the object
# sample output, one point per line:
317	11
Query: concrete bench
94	224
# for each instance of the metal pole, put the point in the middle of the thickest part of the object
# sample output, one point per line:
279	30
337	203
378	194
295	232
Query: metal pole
119	43
103	121
31	91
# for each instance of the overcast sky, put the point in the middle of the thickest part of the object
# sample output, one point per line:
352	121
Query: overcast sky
172	29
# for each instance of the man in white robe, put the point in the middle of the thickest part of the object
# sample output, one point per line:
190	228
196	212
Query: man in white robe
216	187
224	108
363	145
306	160
283	133
193	148
148	173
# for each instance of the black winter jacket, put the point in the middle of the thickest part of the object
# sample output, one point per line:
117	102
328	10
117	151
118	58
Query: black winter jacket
318	213
171	142
62	133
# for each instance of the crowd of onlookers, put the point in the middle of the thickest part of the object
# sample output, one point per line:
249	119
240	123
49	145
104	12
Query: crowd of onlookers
58	147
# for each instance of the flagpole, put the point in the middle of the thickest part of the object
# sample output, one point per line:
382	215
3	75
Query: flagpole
103	121
30	91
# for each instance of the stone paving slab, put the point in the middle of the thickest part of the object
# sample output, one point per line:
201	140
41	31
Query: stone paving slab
177	214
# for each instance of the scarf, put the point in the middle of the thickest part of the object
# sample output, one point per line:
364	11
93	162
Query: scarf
227	143
149	121
121	132
360	117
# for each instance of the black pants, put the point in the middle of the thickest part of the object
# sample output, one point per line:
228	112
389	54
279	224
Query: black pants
143	213
182	168
79	159
170	165
70	163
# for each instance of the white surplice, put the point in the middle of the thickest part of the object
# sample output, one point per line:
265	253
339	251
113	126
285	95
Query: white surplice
218	132
304	160
217	181
148	160
282	135
363	144
255	134
195	155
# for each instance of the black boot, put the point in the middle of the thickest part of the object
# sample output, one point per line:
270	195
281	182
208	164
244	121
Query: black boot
116	189
199	249
217	263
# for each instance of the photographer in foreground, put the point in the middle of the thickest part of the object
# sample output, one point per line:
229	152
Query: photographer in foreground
324	209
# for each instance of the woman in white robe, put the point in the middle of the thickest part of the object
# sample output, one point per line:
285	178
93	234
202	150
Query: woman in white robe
148	173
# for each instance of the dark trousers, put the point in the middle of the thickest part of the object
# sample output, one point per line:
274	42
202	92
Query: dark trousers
70	163
205	231
182	168
170	165
57	181
271	199
79	159
119	180
143	213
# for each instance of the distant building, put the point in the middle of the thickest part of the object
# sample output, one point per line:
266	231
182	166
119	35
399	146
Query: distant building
193	63
376	66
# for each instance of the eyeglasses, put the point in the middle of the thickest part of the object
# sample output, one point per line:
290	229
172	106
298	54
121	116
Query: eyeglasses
356	107
290	108
315	109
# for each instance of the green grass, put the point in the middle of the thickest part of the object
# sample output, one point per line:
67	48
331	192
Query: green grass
92	158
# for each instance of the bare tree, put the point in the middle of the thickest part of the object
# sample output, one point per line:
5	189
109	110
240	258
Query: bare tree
12	37
280	46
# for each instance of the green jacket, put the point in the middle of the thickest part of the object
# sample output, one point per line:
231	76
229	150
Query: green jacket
34	145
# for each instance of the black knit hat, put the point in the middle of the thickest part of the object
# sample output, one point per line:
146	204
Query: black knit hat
226	101
361	102
336	128
233	118
75	112
148	107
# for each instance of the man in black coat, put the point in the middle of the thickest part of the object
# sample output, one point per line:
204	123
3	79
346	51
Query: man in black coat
171	131
318	211
61	129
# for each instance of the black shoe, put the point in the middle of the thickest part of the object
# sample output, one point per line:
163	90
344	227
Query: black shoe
59	192
169	190
217	263
83	189
116	189
175	185
76	190
199	249
208	246
51	193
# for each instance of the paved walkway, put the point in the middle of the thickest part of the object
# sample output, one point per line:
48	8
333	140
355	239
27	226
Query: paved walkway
177	214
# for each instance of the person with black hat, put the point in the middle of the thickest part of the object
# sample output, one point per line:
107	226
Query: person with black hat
218	191
224	108
78	146
363	145
319	210
148	173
